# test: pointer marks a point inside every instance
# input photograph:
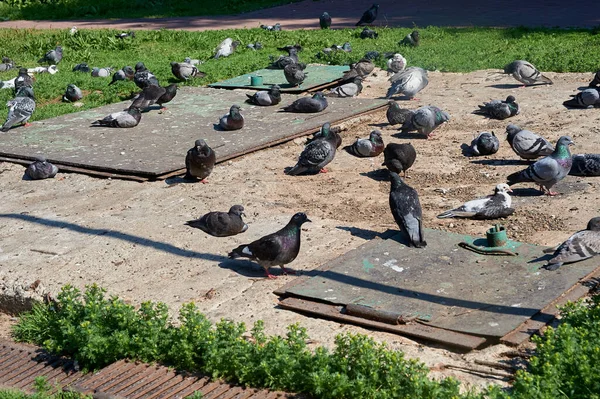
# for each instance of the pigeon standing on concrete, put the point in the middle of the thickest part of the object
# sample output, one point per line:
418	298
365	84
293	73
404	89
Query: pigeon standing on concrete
396	115
525	73
361	69
294	73
490	207
23	80
369	16
317	154
399	157
426	119
168	95
126	73
596	81
222	224
147	97
265	97
585	165
406	209
485	143
199	161
52	57
72	94
580	246
143	77
351	89
122	119
226	47
277	249
412	39
325	20
396	64
549	170
20	108
41	169
498	109
370	147
527	144
368	34
184	71
234	120
587	98
316	103
284	60
408	82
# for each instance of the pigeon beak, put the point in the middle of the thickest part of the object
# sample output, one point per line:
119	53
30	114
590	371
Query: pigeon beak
571	143
509	190
308	220
243	214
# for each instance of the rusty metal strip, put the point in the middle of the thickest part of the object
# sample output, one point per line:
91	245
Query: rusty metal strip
104	374
417	330
190	389
126	373
144	375
216	393
167	386
176	390
166	376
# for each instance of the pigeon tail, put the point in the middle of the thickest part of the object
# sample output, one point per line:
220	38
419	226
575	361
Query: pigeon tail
240	252
296	170
546	80
518	177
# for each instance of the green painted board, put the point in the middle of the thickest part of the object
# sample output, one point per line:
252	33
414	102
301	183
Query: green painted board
445	285
317	75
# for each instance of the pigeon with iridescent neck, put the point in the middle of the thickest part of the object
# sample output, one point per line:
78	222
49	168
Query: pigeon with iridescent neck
317	154
426	119
72	94
41	169
265	97
143	77
498	109
234	120
370	147
221	224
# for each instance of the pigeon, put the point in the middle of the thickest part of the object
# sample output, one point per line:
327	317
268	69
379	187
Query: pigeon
284	60
288	47
316	103
147	97
332	130
123	35
221	224
23	80
183	71
233	120
351	89
276	249
428	118
143	77
408	82
370	147
189	60
72	94
83	67
199	161
369	16
52	56
398	116
549	170
360	69
580	246
587	98
52	69
497	109
527	144
585	165
127	73
406	209
412	39
7	64
101	72
294	73
596	81
317	154
325	20
8	84
368	34
169	94
372	55
399	157
122	119
485	143
396	64
525	73
346	47
41	169
490	207
270	28
265	97
73	31
20	108
226	48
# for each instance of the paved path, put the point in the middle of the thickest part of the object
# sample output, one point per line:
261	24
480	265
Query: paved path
345	13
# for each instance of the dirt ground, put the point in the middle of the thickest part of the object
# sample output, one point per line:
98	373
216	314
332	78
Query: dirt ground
145	252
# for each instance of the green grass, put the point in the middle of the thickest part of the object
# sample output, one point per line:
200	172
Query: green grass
444	49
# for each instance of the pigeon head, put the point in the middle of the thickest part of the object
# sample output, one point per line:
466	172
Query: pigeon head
275	89
375	6
318	96
235	43
200	144
565	141
394	105
375	136
128	70
395	179
235	109
134	111
172	88
293	51
511	130
237	210
325	14
40	158
58	49
300	218
23	71
140	67
502	188
25	91
511	99
594	224
415	35
325	130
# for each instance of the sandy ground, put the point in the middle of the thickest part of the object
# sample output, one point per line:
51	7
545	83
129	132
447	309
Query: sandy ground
131	239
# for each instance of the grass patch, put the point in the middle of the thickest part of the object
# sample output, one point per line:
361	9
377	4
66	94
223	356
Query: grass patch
444	49
42	389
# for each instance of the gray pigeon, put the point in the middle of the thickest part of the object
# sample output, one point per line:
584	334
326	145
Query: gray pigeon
265	97
272	28
580	246
406	209
399	157
7	64
426	119
331	130
490	207
370	147
368	34
396	64
184	71
525	73
122	119
101	72
199	161
549	170
398	116
485	143
412	39
23	79
72	94
234	120
408	82
20	108
587	98
369	16
277	249
143	77
317	154
83	67
316	103
148	97
41	169
284	60
325	20
351	89
596	81
498	109
585	165
189	60
360	69
221	224
527	144
294	73
123	35
52	57
127	73
226	47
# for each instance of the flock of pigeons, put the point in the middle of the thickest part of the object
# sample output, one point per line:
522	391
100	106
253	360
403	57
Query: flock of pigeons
282	247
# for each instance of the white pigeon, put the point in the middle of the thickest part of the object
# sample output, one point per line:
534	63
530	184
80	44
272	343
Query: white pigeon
490	207
52	69
8	84
73	31
226	48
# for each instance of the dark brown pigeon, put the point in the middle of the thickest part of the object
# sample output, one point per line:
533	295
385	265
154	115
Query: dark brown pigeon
221	224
